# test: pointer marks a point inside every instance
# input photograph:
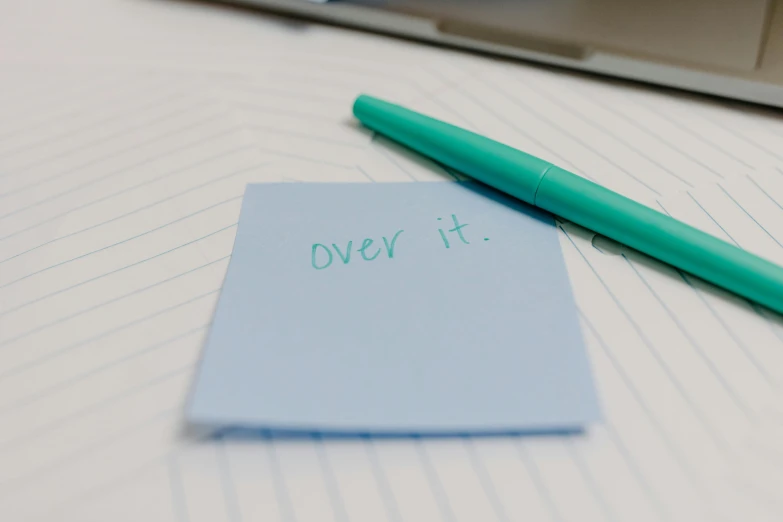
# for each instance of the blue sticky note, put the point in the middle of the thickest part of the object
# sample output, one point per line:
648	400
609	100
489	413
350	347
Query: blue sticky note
394	308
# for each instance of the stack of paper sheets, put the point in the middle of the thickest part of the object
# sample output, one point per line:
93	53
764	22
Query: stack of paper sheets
129	132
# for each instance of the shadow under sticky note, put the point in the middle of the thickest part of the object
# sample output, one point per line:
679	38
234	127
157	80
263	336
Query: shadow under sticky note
394	309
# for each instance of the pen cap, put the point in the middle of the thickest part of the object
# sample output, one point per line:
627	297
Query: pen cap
662	237
500	166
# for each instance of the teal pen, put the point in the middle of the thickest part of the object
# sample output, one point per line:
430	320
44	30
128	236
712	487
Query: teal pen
581	201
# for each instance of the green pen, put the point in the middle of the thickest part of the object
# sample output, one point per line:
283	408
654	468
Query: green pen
576	199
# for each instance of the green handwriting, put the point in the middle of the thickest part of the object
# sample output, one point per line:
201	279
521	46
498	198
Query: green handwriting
321	255
457	228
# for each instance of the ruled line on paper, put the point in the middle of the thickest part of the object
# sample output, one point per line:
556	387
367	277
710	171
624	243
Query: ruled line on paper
656	108
229	487
155	204
60	387
10	486
177	492
106	274
146	232
330	481
739	135
124	117
681	456
24	440
708	359
634	466
591	122
724	151
154	139
695	344
647	143
12	340
731	334
646	130
656	355
529	136
115	218
61	351
576	138
61	106
747	213
302	115
156	102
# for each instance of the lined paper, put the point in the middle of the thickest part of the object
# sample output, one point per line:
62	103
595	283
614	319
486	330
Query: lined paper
121	192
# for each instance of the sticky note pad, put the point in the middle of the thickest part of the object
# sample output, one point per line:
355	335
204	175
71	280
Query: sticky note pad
394	308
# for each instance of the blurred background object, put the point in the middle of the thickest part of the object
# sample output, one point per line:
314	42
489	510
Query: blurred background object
730	48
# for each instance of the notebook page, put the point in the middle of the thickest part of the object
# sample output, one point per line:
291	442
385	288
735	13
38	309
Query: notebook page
542	457
706	458
96	429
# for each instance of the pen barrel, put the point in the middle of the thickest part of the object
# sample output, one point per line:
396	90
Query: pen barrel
505	168
662	237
